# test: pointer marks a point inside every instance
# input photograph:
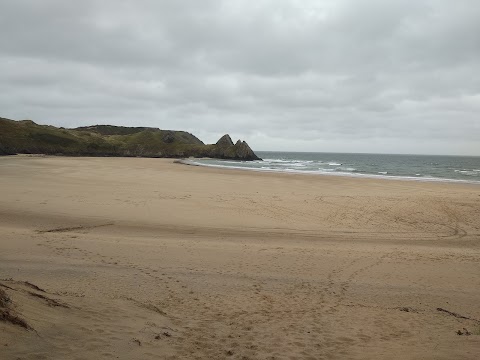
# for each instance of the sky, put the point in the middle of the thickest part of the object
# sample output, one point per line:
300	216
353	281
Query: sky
378	76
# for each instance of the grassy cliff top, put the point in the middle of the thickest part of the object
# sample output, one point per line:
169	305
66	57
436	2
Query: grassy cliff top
107	140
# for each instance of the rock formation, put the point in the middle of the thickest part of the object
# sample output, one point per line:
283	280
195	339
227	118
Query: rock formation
27	137
225	149
225	140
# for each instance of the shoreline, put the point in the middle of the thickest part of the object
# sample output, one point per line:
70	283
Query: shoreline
191	162
187	161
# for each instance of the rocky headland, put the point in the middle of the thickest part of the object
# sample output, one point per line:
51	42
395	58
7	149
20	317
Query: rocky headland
27	137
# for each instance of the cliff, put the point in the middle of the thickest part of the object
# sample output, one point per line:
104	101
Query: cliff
27	137
225	149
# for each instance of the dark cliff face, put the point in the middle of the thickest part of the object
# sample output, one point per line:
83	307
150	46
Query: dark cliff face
245	152
225	140
28	137
225	149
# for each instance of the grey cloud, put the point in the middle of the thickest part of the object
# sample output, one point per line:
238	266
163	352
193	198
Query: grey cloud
372	75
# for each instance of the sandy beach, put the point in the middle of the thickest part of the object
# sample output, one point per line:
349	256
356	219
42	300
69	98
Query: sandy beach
130	258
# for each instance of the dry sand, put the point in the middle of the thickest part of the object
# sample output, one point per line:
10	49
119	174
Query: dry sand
113	258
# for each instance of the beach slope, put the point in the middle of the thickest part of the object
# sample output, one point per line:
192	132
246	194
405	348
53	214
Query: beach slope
130	258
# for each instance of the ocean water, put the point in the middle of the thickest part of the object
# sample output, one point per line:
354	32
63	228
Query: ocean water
407	167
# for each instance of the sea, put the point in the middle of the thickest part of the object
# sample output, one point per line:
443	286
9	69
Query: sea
463	169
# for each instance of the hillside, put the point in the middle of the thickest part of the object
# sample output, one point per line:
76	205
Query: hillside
27	137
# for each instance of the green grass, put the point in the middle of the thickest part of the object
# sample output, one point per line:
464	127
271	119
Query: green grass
105	140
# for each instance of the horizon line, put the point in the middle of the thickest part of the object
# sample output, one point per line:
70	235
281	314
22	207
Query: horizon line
363	153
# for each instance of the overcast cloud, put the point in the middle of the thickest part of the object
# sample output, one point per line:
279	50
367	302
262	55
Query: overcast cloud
390	76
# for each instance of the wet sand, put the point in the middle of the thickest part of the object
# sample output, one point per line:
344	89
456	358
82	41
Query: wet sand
118	258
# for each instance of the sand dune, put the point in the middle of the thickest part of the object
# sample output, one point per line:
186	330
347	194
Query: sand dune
145	259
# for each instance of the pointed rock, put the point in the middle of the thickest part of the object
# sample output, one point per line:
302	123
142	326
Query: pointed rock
225	140
244	152
225	149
